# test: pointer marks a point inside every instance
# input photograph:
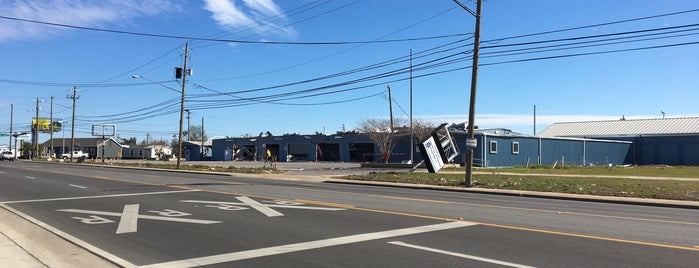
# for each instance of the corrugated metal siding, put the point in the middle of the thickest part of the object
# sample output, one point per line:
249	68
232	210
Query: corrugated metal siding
659	126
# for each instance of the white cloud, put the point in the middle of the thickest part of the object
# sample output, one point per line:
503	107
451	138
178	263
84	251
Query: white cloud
260	16
87	13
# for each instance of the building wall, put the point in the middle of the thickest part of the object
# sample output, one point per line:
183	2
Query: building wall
667	150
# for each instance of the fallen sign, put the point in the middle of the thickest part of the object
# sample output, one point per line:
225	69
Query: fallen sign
438	149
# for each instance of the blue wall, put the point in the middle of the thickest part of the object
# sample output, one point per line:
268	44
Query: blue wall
667	150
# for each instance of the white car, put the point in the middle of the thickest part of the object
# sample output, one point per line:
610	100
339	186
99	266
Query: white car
7	155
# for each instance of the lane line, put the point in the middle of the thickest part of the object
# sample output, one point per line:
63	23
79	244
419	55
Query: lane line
460	255
77	186
129	219
29	177
87	246
283	249
259	207
96	196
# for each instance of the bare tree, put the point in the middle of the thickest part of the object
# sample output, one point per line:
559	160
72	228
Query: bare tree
380	132
422	129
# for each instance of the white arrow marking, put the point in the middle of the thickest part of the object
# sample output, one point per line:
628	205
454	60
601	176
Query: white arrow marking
259	207
147	217
129	219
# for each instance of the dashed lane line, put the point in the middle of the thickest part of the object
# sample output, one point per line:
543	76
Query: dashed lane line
96	196
77	186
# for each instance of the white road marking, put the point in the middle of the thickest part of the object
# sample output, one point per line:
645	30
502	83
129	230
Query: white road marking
29	177
95	196
77	186
264	209
465	256
129	219
262	252
113	258
224	204
147	217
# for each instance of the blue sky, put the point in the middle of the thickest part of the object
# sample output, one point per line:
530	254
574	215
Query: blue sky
321	66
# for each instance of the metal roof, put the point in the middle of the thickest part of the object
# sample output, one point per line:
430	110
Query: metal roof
630	127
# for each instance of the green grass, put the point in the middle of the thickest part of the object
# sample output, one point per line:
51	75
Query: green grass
623	187
645	171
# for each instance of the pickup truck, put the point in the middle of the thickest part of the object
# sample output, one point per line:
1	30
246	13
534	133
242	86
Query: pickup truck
76	154
7	155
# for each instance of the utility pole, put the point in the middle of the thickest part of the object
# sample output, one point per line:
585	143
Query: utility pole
390	107
474	83
188	130
12	113
36	132
412	133
72	124
51	130
202	139
184	85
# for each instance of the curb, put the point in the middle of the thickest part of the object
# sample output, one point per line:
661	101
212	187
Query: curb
549	195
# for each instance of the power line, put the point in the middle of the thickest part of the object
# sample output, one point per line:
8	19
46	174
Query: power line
232	40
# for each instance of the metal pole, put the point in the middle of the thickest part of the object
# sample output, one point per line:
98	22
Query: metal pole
184	85
472	102
188	130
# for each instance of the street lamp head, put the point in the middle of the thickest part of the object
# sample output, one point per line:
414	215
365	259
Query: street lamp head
135	76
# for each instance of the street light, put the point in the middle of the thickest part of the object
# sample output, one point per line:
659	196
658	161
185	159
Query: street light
179	139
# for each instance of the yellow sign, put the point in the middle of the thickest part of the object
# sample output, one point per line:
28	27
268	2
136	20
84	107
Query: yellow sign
45	125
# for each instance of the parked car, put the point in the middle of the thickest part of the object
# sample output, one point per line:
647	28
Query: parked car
76	154
7	155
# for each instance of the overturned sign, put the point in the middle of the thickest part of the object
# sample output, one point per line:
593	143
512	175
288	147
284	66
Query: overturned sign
438	149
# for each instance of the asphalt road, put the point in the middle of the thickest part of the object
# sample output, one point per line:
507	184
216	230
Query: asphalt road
168	219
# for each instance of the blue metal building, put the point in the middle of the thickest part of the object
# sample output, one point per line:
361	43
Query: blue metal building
658	141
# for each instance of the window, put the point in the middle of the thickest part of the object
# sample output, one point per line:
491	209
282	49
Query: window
493	147
515	147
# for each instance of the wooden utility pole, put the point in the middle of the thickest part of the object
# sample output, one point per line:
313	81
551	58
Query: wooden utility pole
72	125
390	107
184	85
51	130
474	83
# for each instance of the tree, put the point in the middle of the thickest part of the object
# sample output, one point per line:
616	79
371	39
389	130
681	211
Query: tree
380	132
129	141
195	133
422	129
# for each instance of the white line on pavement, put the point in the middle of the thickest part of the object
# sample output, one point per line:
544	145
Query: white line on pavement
262	252
94	196
129	219
267	205
398	243
77	186
147	217
29	177
259	207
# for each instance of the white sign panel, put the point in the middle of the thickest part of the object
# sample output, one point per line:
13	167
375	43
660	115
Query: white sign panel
433	155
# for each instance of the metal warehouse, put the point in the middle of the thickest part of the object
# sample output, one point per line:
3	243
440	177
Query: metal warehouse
658	141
